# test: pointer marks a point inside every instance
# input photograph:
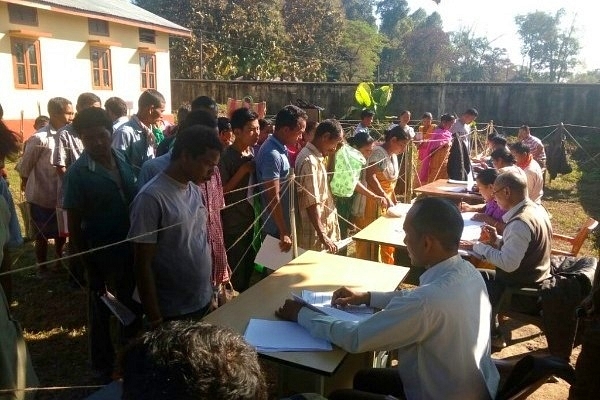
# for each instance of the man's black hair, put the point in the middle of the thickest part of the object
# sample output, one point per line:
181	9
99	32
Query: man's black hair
241	116
438	217
91	117
289	116
195	141
151	97
189	360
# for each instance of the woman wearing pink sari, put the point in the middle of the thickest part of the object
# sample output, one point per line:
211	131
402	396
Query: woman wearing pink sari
433	153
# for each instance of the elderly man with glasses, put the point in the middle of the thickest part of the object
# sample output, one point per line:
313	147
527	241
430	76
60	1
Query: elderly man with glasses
522	254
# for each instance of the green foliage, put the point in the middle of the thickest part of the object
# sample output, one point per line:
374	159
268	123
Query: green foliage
475	60
377	99
358	55
360	10
338	40
314	29
392	13
550	52
430	54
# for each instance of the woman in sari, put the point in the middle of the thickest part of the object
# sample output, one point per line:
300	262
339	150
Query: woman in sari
433	153
380	178
350	162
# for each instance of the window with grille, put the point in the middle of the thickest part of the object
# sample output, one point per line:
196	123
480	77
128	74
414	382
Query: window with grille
147	35
148	70
24	15
98	27
101	68
26	63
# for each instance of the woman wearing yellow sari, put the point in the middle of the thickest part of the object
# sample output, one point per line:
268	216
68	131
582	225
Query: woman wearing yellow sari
380	178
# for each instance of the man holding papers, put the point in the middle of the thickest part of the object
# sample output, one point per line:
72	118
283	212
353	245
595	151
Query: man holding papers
441	328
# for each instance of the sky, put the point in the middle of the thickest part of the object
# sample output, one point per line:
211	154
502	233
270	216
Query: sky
495	19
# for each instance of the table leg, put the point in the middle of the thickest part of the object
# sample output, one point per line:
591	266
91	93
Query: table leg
293	380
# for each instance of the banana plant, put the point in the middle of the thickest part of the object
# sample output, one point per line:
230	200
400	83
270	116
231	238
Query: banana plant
368	96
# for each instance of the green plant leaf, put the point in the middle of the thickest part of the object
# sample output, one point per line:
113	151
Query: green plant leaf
363	94
382	95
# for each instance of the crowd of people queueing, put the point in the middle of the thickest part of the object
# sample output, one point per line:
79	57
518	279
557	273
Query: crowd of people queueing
162	216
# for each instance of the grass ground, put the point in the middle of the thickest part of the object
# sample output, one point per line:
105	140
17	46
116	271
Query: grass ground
53	314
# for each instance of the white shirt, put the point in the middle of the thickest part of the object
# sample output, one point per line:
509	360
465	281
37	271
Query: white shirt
36	165
515	242
119	121
441	330
535	181
463	131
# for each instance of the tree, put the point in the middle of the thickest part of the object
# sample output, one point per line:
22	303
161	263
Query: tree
391	14
475	59
251	34
233	39
314	29
358	55
360	10
548	51
586	77
428	52
395	24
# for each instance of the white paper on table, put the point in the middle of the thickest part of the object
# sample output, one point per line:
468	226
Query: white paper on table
472	229
269	336
453	189
457	182
398	210
321	302
271	256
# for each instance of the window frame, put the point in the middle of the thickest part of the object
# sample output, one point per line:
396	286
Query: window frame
144	33
101	68
145	74
93	23
15	8
26	63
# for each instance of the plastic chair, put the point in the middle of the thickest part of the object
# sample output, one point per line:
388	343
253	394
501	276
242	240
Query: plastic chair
531	372
577	240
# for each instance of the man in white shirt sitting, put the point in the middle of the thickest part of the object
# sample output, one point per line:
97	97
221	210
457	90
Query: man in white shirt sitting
441	328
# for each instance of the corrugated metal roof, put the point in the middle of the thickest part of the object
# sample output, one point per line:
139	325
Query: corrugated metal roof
115	9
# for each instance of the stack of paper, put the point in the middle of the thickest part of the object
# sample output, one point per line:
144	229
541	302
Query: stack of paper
321	302
270	336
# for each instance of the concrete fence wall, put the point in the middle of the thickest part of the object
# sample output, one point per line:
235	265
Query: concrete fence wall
508	104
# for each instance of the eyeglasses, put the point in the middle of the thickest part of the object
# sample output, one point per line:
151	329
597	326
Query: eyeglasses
496	191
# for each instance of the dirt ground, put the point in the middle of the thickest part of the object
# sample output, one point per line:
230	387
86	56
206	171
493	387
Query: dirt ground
526	339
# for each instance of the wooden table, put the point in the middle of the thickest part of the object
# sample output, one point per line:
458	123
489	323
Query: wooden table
386	231
313	271
389	231
453	191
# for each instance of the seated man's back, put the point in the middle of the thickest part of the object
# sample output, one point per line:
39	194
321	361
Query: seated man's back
441	328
